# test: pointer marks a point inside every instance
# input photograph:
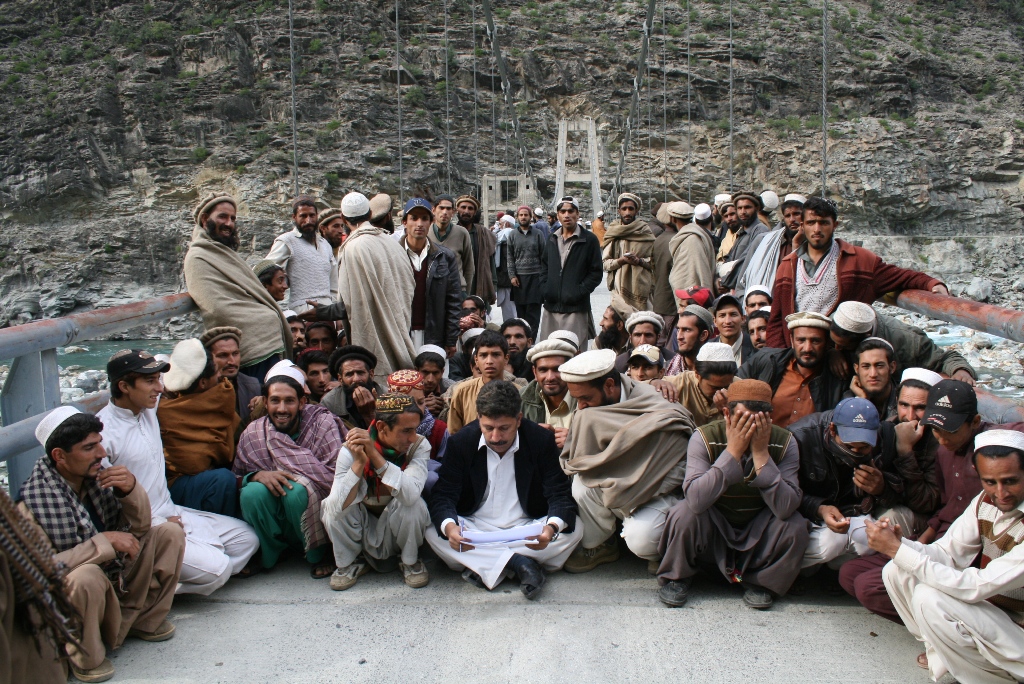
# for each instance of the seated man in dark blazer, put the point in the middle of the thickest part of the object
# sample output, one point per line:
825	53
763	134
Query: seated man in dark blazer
501	473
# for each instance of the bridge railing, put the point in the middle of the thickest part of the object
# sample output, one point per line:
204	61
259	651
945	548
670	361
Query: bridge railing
32	387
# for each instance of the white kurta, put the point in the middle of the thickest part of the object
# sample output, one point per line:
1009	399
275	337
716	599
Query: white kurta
944	601
501	510
216	546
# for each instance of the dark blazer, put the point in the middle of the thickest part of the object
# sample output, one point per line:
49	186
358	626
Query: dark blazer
567	289
544	490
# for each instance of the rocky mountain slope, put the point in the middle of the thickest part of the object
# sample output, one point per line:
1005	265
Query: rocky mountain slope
116	115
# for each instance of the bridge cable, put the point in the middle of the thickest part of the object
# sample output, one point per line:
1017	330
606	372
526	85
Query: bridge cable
824	98
689	137
664	99
295	135
398	90
730	100
476	141
447	113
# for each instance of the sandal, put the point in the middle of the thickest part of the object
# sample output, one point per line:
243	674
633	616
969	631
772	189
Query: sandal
252	568
322	566
922	661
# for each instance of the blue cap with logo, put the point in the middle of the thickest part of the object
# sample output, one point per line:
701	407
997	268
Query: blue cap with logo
417	202
856	420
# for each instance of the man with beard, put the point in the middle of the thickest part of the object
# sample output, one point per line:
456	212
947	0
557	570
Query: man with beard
483	243
490	356
730	225
298	330
662	301
450	234
571	270
750	227
613	333
353	401
286	460
961	596
331	225
502	280
223	343
377	286
323	336
729	321
757	328
693	253
802	381
519	336
824	271
526	247
627	451
693	330
541	223
307	257
768	249
315	364
873	376
644	327
546	400
627	253
227	291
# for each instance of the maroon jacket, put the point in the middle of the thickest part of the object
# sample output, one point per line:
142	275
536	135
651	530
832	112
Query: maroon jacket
863	277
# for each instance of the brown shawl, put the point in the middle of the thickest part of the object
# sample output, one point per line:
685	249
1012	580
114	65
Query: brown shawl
625	450
634	283
486	244
198	430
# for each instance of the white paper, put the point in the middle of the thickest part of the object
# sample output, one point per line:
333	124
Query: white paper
513	534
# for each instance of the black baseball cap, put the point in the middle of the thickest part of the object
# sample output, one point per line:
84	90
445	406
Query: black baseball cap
134	361
726	299
950	404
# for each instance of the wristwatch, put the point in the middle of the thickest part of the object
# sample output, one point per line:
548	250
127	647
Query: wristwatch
555	528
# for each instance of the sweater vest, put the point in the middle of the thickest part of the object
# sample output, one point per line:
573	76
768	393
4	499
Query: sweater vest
993	547
309	269
741	502
419	297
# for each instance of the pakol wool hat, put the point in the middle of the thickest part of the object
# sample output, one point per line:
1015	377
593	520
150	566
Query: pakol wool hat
808	319
221	332
209	202
645	317
327	215
566	336
746	194
635	199
188	361
590	365
469	198
681	210
549	347
380	206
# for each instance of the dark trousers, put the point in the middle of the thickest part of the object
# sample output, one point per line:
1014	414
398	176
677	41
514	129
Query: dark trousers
862	579
259	370
531	314
214	491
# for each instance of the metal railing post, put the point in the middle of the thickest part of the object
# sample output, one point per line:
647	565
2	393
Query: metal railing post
32	387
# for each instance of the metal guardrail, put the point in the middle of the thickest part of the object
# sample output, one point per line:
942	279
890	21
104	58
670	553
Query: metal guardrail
994	320
32	387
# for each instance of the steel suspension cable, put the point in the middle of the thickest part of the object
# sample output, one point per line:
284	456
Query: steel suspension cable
476	141
730	98
689	136
447	113
295	135
824	98
398	90
664	100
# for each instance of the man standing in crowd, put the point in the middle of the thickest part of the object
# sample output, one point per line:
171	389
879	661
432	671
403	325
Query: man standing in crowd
750	228
824	271
541	223
331	225
526	248
223	343
729	321
644	327
316	365
613	333
740	505
801	379
216	546
453	236
354	400
286	460
572	271
121	569
307	257
757	328
768	249
502	472
482	243
627	451
628	248
873	371
519	336
662	301
227	291
375	509
757	297
693	253
377	286
437	297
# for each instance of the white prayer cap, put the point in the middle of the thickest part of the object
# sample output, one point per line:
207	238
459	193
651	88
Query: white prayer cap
1003	438
766	309
355	204
681	210
724	198
433	349
921	375
508	220
162	358
600	214
645	317
808	319
770	200
855	317
539	211
793	197
471	334
550	347
702	212
884	341
757	288
289	370
566	336
53	420
288	313
188	361
590	365
716	351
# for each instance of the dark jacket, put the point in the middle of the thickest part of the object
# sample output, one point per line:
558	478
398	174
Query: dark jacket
533	403
246	387
443	296
543	488
826	480
769	365
459	366
568	289
863	277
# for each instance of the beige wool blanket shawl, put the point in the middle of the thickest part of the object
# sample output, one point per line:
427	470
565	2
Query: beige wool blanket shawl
377	285
625	450
227	292
633	283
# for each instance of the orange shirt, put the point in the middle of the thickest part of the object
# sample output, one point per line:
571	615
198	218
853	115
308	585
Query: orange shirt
792	400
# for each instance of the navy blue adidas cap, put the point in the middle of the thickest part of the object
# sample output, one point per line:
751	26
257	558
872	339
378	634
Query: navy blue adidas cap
856	420
417	202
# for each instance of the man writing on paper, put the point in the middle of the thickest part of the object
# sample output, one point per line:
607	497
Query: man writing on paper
502	472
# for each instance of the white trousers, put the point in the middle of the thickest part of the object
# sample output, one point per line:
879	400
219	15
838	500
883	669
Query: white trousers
641	530
490	562
216	547
975	642
398	530
834	548
505	303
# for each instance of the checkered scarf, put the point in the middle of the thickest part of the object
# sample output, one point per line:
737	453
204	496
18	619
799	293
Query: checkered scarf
63	516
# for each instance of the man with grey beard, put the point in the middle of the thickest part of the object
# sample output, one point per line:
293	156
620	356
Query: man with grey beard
307	258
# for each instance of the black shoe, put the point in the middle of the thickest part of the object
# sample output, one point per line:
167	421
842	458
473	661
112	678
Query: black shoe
473	578
674	593
758	597
531	575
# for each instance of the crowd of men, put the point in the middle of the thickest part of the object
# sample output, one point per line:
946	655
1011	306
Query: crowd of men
740	409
